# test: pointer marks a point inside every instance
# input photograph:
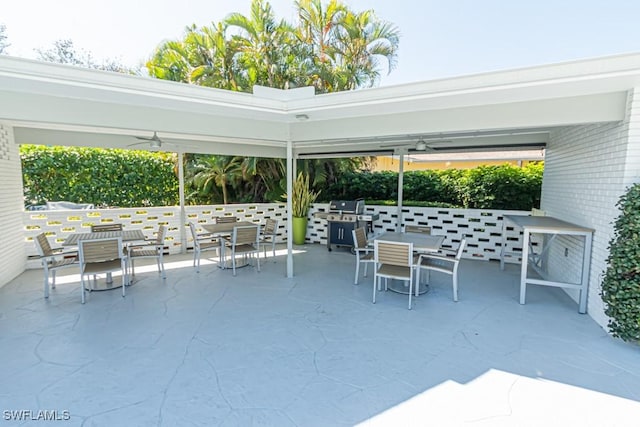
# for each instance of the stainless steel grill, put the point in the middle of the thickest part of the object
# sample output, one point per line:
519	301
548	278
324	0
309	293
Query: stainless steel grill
343	217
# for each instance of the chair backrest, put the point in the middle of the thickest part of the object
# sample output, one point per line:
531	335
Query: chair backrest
393	253
100	250
245	235
270	227
359	238
463	242
224	219
42	245
194	234
417	229
106	227
162	233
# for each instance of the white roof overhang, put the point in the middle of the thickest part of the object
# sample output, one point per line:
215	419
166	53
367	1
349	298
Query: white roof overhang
515	109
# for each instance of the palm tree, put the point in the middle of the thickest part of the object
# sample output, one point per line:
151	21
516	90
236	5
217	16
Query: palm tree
330	47
264	44
317	29
363	42
215	171
204	57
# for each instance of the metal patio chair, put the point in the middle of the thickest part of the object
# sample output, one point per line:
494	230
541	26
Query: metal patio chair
53	260
202	243
152	249
394	260
442	264
268	235
102	256
245	241
363	250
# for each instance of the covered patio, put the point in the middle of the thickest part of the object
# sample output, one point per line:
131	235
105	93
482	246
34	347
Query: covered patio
276	348
261	349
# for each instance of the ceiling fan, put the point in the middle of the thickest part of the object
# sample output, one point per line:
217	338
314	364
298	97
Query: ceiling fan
420	145
153	141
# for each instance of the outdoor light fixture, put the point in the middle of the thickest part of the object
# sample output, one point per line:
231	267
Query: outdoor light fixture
302	117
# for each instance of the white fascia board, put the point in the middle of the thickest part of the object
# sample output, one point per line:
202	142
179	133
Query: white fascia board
39	77
532	114
576	78
79	115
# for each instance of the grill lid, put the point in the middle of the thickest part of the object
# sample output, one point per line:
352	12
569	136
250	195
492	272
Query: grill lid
347	206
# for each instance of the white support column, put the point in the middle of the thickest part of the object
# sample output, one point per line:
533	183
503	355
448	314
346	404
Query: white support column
291	165
183	213
401	153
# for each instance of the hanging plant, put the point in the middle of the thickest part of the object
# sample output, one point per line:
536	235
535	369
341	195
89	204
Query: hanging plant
621	283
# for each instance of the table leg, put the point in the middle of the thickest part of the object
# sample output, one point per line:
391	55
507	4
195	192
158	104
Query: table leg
503	243
524	266
586	267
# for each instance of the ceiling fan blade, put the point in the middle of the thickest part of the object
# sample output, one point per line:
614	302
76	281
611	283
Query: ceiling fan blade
408	144
137	143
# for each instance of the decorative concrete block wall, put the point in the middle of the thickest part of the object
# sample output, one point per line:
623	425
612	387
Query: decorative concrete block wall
59	224
482	228
587	169
12	255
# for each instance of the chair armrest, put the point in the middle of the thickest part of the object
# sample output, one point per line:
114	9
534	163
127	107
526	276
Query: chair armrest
365	250
61	251
443	251
436	258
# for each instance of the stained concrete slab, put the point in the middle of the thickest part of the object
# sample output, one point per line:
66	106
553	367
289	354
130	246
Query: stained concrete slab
210	349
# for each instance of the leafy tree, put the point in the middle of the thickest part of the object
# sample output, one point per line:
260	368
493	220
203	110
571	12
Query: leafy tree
362	43
330	47
3	39
267	178
206	172
64	52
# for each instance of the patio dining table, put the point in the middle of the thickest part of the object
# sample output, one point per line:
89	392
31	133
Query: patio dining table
421	243
225	228
553	227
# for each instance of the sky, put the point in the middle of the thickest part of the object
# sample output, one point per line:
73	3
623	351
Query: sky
439	38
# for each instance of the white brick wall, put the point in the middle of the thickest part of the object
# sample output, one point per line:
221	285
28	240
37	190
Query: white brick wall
12	255
587	169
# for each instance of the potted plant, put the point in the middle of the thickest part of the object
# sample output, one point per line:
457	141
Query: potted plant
301	200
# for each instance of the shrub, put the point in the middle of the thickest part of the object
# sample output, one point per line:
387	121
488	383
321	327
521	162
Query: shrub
621	283
125	178
501	187
485	187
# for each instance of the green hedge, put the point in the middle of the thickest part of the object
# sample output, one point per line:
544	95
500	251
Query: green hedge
621	283
128	178
484	187
103	177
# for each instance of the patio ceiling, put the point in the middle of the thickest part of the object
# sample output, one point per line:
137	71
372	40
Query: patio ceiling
61	105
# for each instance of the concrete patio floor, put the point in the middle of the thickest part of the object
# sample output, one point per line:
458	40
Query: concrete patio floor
210	349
